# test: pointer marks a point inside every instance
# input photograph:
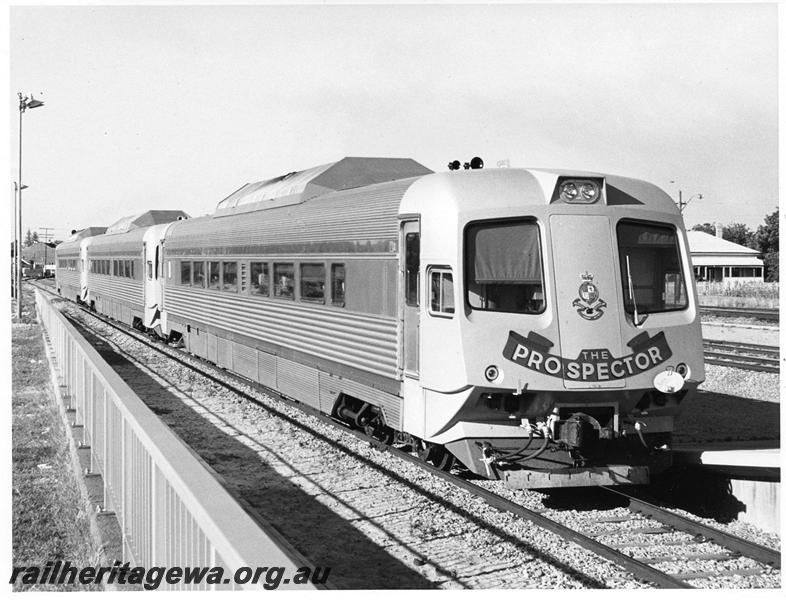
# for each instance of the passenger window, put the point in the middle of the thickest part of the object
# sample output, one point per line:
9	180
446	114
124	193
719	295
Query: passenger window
442	303
284	280
412	260
150	269
337	285
199	274
312	282
185	272
230	276
260	279
214	275
114	268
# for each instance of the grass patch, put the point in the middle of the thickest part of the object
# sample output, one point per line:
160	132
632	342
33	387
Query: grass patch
49	517
739	295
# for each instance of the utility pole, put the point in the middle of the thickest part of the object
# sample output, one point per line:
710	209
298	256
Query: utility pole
44	234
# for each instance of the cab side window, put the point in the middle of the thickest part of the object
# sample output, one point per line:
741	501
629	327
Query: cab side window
441	288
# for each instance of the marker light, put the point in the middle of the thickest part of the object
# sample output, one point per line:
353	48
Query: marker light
579	191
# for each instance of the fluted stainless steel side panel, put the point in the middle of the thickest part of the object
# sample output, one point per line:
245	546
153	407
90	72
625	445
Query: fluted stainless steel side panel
298	381
121	289
68	278
244	361
364	342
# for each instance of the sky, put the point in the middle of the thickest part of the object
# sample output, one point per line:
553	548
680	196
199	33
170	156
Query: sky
175	107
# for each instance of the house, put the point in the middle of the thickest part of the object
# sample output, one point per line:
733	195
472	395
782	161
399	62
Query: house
718	260
40	255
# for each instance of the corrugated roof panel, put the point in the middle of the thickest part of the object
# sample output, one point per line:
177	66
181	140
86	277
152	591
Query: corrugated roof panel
348	217
271	189
294	188
146	219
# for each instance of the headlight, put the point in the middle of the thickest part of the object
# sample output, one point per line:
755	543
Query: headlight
579	191
569	192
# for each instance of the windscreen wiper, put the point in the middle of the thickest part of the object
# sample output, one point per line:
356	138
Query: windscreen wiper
632	295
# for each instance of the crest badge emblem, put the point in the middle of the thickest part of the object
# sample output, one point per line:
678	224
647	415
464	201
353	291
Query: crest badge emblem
588	304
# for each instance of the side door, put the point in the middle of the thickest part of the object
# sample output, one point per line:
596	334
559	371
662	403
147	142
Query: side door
410	289
151	286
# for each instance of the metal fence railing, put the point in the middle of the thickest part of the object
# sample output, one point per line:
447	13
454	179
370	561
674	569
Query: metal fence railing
171	509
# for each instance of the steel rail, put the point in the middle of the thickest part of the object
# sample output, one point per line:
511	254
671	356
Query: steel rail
764	314
732	542
727	360
763	348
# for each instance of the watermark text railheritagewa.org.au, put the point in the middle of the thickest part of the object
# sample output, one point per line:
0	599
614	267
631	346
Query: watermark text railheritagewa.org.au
61	573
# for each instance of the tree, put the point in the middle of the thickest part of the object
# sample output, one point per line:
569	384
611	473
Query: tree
35	237
766	240
28	238
738	233
705	227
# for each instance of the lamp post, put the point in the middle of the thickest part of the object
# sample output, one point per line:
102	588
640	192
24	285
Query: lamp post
16	240
24	104
680	204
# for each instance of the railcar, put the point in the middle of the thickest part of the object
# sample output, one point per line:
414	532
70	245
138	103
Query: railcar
124	268
71	264
537	326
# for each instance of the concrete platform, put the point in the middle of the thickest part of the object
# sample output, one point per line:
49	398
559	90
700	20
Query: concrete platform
732	332
753	475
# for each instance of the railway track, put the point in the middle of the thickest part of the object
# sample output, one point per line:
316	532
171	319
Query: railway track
608	538
753	357
763	314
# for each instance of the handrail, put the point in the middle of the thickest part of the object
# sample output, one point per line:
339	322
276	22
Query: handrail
171	509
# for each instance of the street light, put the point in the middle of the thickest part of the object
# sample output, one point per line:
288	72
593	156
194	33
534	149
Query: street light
24	104
16	240
680	204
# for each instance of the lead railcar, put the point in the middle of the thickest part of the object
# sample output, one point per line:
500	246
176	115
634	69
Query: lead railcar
539	326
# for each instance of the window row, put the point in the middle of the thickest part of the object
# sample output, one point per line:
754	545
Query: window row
704	273
260	278
118	268
67	263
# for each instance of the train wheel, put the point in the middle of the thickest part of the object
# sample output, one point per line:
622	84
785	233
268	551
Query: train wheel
435	454
379	432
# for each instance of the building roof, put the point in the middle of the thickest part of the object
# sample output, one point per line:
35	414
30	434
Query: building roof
704	243
40	252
